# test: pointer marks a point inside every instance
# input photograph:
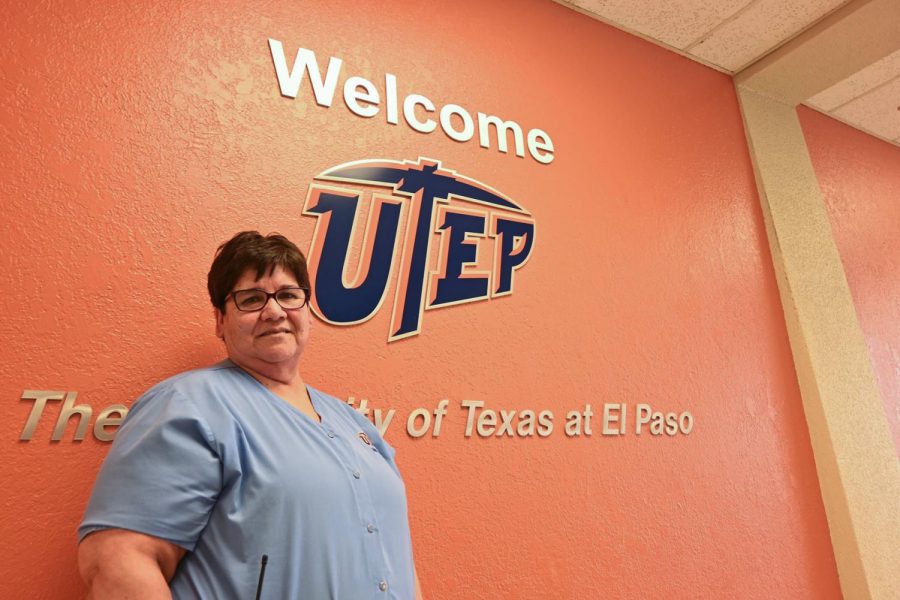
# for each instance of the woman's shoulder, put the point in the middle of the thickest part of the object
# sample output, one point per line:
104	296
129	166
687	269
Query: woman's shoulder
193	387
200	375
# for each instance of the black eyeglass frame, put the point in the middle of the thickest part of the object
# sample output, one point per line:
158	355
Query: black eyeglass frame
269	296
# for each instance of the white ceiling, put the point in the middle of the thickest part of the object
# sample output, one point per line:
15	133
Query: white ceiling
730	35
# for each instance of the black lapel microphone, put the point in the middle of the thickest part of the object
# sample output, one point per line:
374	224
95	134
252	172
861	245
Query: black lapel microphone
262	573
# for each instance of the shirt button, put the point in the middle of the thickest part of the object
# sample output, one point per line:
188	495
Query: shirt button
383	585
331	434
357	474
370	528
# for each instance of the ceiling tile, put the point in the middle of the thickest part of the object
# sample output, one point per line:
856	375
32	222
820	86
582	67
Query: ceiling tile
876	111
677	23
762	26
858	84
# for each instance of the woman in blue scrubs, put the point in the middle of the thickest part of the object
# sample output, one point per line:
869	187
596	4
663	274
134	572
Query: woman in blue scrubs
239	480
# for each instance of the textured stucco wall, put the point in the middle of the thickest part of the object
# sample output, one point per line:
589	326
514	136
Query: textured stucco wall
860	180
137	140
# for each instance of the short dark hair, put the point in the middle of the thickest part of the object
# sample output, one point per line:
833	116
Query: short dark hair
251	250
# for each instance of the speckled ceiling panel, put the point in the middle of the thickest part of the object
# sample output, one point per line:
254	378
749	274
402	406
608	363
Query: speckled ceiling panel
678	23
762	26
875	111
864	81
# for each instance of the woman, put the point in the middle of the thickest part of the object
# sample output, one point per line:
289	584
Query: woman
239	480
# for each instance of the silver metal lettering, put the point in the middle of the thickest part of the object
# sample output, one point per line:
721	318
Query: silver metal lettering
40	398
68	410
104	420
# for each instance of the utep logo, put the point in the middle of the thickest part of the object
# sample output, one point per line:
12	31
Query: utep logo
447	239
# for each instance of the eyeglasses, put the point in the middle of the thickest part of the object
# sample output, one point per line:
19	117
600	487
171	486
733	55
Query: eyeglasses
289	298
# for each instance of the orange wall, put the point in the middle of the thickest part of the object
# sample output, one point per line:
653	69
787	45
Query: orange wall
860	180
137	140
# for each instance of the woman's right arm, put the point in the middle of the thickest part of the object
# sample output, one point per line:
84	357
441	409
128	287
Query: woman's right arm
116	563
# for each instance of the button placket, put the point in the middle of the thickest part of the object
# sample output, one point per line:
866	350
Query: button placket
355	462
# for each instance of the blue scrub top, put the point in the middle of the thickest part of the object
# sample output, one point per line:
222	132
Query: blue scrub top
214	462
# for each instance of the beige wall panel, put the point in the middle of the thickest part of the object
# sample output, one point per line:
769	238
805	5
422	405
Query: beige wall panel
765	23
859	474
876	74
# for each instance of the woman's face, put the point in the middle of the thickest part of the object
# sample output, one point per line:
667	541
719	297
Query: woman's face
271	336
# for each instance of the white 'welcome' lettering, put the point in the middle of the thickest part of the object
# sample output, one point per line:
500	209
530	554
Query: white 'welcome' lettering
362	98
